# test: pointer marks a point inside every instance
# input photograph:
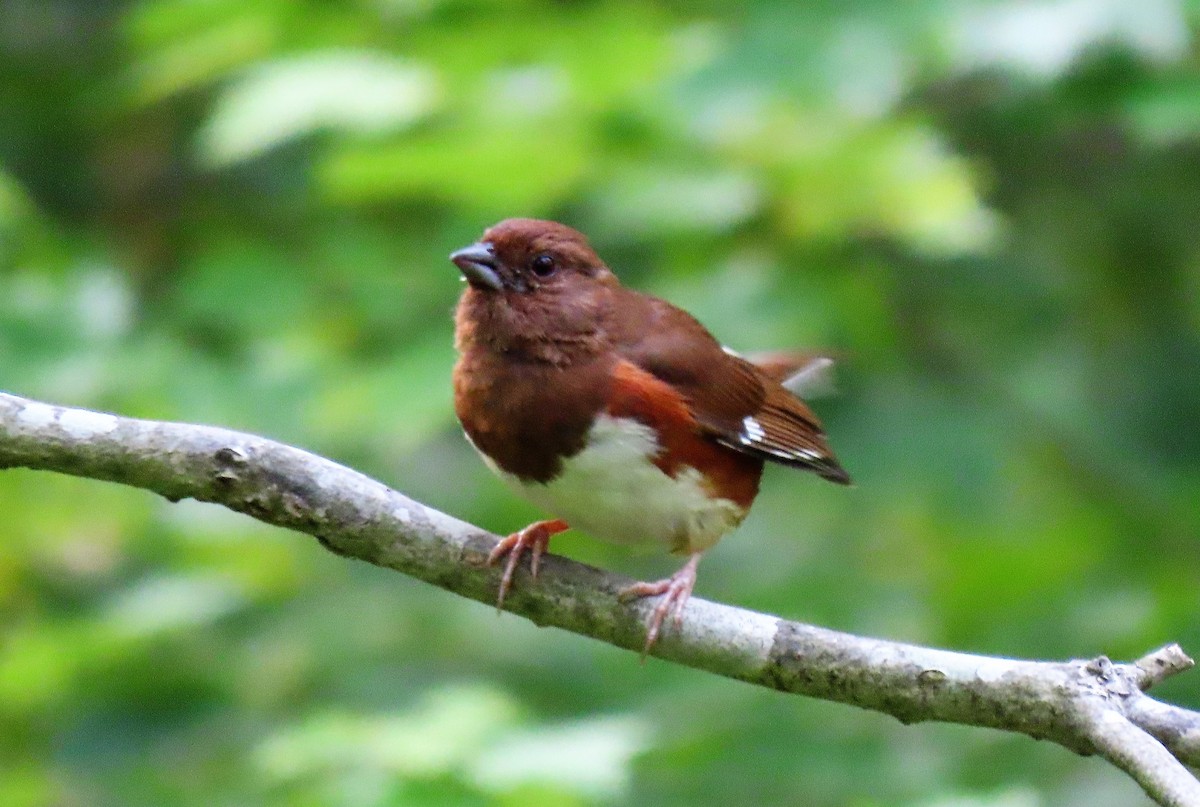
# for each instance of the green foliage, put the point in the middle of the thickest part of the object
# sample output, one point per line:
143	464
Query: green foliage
239	213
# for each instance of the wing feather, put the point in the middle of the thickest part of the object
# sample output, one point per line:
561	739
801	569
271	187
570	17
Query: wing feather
732	401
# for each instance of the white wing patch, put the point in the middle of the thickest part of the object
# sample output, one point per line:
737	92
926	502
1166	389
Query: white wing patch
752	431
806	454
754	435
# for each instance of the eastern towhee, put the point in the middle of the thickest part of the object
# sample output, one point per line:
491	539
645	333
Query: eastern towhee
615	411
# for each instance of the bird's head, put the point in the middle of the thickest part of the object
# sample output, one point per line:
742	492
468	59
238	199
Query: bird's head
533	283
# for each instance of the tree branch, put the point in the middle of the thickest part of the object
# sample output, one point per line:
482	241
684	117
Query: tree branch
1090	706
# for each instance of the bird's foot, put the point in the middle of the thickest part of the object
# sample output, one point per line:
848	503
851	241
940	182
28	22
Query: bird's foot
675	591
535	537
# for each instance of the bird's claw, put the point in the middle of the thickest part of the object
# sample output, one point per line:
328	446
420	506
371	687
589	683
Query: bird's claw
675	590
535	538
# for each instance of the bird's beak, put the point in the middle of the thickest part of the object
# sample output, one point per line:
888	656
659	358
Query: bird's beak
478	265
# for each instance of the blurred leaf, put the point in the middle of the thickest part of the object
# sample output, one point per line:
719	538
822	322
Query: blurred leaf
1167	112
643	202
357	93
180	59
515	167
446	729
172	603
1044	37
590	757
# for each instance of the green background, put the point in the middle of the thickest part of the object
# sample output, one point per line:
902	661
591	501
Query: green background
238	213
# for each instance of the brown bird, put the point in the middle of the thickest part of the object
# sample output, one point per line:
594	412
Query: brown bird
615	411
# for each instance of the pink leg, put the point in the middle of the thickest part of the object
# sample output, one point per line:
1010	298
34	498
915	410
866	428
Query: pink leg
675	589
535	537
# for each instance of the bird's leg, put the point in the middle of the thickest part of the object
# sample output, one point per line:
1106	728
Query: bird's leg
675	589
535	537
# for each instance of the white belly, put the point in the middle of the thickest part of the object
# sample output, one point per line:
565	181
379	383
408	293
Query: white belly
612	491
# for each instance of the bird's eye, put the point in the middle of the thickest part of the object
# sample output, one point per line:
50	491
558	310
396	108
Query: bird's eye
543	266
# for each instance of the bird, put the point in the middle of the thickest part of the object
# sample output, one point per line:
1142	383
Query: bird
615	412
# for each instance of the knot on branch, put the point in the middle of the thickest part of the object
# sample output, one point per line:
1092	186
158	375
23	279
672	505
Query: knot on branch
230	460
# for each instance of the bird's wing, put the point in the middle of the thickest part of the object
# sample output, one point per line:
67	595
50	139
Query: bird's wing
732	401
806	375
636	393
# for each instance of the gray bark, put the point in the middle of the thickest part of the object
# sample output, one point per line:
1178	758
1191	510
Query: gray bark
1088	706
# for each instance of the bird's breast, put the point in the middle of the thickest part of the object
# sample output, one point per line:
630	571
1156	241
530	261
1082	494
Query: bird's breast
526	416
613	490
